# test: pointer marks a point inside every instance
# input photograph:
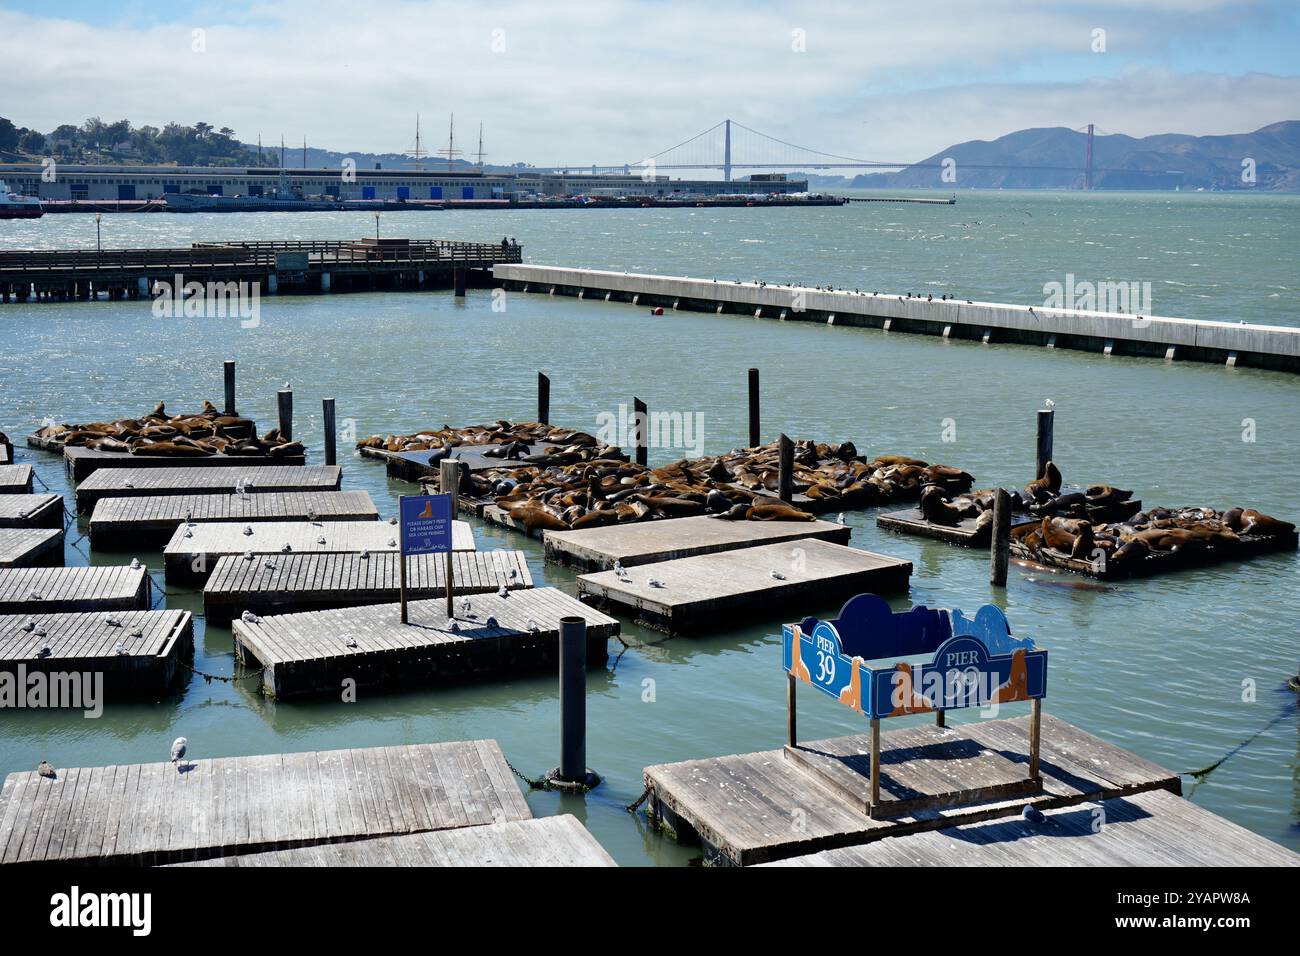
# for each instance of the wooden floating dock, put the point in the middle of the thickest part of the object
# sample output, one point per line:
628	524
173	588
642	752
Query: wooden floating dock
285	583
416	466
82	462
44	510
1250	546
911	521
15	479
304	654
644	542
160	813
194	550
146	482
1155	828
121	523
141	654
700	590
1104	333
30	547
741	806
116	588
546	841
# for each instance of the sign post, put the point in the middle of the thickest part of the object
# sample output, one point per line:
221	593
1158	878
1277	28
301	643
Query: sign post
449	484
426	529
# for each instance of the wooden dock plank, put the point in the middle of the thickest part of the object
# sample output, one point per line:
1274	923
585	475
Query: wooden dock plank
82	462
135	651
743	806
1145	829
696	590
284	583
119	523
173	814
73	589
25	547
548	841
15	479
138	482
307	653
646	542
41	510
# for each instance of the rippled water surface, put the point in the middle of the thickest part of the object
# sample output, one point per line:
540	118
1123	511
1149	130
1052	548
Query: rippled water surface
1156	666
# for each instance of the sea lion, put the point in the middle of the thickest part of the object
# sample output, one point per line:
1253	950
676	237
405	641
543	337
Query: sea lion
935	509
1056	537
1049	481
1256	522
288	449
170	449
777	511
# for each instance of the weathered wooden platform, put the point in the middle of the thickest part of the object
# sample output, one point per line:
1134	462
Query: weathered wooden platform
6	453
548	841
161	813
145	482
417	466
121	523
731	585
43	510
745	807
644	542
285	583
30	547
194	550
1146	829
110	588
911	521
1162	562
15	479
141	654
81	462
304	654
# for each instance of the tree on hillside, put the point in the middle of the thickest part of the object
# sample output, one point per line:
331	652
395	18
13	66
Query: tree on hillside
8	135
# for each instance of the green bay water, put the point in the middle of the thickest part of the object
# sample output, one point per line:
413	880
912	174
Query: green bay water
1164	666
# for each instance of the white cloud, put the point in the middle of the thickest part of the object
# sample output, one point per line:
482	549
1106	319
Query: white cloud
609	82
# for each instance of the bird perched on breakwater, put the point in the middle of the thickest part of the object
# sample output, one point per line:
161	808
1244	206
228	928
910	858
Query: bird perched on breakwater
46	769
1032	814
179	746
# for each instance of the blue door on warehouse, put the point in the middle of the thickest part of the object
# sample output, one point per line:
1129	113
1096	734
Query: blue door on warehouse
367	192
467	192
403	192
125	191
435	192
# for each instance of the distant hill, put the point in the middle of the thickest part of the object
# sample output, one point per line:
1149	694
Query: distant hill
1053	158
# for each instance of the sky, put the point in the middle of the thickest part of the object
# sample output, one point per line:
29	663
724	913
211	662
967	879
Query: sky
586	81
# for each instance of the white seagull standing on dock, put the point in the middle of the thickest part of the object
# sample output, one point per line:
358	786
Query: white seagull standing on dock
1049	403
179	746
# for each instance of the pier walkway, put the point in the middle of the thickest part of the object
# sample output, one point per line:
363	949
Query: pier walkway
1109	333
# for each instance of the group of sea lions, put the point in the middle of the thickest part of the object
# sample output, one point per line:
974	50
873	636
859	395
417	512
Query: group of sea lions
1122	544
510	435
205	433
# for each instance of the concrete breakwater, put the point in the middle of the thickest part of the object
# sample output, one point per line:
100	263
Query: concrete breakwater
1111	333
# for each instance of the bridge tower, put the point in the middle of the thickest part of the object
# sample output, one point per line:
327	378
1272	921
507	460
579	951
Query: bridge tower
1087	163
726	154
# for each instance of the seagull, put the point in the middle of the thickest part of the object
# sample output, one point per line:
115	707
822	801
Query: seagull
514	574
248	555
34	595
46	769
129	483
179	746
45	650
351	642
365	555
1032	814
393	520
491	621
137	634
392	542
465	606
269	564
1049	403
654	582
840	518
188	533
189	517
321	539
135	564
503	592
119	648
29	625
532	626
248	617
454	625
112	621
777	574
287	548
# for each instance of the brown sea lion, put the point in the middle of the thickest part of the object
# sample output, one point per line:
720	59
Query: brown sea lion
169	449
777	511
935	509
1256	522
1056	537
1050	482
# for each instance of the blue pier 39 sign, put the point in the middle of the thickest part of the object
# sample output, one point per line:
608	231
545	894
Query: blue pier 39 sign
426	523
972	662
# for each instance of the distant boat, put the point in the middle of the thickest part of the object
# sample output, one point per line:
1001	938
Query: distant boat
14	206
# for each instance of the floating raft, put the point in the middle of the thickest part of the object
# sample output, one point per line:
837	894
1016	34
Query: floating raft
115	588
31	511
732	584
15	479
549	841
159	813
303	654
30	547
81	461
911	521
1164	562
284	583
741	806
1145	829
188	560
121	523
644	542
144	482
86	642
417	466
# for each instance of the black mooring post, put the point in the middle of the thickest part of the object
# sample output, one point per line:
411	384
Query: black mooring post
785	468
1000	546
543	399
284	400
1046	419
641	422
458	282
753	408
572	773
331	447
230	386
